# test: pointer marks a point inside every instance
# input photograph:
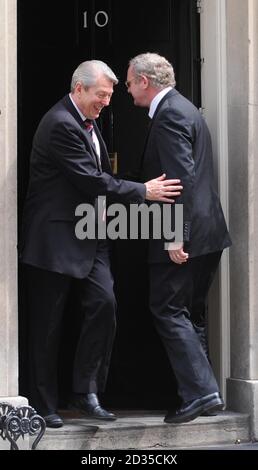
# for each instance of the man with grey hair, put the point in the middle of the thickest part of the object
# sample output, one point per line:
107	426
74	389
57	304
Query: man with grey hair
70	166
178	143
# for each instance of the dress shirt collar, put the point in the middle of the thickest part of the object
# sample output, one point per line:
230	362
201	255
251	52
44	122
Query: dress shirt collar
76	107
157	99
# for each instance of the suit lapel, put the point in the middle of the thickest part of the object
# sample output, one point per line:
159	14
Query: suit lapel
66	101
104	156
166	97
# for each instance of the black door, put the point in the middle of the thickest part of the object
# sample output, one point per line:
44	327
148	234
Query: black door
53	38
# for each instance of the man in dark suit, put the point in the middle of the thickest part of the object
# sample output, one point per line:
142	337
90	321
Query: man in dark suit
70	166
178	143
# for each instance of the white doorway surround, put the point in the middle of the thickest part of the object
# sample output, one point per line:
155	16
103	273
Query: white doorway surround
8	211
8	203
214	104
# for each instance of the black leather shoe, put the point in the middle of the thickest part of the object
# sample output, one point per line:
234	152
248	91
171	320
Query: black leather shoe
53	421
89	405
194	408
209	413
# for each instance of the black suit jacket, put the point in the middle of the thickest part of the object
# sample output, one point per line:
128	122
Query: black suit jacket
179	145
64	173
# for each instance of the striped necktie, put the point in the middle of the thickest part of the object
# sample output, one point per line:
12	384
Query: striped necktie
89	127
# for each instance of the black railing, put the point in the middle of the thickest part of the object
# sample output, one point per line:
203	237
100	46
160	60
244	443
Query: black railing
18	421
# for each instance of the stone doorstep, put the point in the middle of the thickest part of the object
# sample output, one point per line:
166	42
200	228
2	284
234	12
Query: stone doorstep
145	430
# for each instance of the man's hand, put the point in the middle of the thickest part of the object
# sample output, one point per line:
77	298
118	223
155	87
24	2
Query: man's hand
176	253
160	189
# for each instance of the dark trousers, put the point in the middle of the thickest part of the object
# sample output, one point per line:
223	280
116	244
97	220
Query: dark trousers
47	296
176	291
205	270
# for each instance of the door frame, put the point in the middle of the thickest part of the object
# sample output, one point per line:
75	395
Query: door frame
214	106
